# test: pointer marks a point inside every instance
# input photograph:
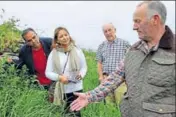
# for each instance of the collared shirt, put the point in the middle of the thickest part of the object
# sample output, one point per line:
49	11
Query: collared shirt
142	45
111	53
114	80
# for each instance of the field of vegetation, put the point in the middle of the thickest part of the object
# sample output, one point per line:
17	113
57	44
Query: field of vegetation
20	97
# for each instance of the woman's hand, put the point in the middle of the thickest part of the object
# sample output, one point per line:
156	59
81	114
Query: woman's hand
78	77
63	79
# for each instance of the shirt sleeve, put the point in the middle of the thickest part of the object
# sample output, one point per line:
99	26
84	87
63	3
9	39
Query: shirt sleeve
99	53
108	85
49	69
83	64
19	63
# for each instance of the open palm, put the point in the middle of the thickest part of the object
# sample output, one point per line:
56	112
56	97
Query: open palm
80	102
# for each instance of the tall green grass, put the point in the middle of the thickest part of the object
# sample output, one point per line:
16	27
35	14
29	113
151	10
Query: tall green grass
19	99
90	82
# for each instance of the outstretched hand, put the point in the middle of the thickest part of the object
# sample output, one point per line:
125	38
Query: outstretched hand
80	102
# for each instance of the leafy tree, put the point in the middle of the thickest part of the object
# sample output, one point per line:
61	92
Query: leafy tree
10	35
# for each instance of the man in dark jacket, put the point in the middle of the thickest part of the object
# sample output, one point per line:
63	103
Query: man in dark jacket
34	54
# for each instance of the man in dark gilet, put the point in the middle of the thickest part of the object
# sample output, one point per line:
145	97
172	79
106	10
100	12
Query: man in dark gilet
148	68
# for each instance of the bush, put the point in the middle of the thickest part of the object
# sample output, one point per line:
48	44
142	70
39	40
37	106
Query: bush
10	35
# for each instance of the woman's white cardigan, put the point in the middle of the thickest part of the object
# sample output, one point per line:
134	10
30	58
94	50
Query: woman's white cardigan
70	87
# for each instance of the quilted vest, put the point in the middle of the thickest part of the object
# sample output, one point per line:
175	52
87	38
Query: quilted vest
151	84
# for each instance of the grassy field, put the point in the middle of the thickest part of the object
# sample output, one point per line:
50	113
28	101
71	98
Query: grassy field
18	99
90	82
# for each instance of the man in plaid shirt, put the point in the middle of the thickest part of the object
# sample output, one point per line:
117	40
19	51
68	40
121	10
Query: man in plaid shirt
108	56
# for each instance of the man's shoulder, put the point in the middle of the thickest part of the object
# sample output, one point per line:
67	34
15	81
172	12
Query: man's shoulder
24	48
103	43
45	38
135	45
121	40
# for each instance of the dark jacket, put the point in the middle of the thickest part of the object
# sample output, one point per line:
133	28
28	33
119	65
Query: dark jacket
25	55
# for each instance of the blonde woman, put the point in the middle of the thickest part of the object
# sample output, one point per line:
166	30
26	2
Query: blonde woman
66	64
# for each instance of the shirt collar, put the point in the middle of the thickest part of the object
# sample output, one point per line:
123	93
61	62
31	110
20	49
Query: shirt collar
166	42
114	41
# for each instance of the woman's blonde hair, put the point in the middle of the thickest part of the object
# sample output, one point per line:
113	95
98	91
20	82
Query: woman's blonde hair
55	41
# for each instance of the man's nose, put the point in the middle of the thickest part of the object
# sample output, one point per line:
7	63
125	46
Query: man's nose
33	40
108	33
135	26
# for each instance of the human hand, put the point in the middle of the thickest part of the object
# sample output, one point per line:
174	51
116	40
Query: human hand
78	77
100	79
63	79
9	60
80	102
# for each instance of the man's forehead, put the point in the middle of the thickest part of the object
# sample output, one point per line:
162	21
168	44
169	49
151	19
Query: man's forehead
29	34
140	11
108	26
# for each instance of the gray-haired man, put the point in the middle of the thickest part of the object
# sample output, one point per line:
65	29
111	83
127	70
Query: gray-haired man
148	68
108	55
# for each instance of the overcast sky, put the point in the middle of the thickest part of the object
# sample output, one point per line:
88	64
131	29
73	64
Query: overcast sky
83	19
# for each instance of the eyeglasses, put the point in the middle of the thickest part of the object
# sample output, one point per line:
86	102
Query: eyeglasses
28	41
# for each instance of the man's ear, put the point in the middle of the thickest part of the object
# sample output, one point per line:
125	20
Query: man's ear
155	19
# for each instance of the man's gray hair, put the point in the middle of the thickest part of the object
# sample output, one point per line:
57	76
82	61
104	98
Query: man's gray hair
156	7
24	32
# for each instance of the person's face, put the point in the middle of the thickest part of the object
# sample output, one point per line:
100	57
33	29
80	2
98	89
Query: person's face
32	39
109	32
63	38
142	24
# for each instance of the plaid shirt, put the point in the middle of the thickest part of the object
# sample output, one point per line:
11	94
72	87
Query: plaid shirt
110	54
115	79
